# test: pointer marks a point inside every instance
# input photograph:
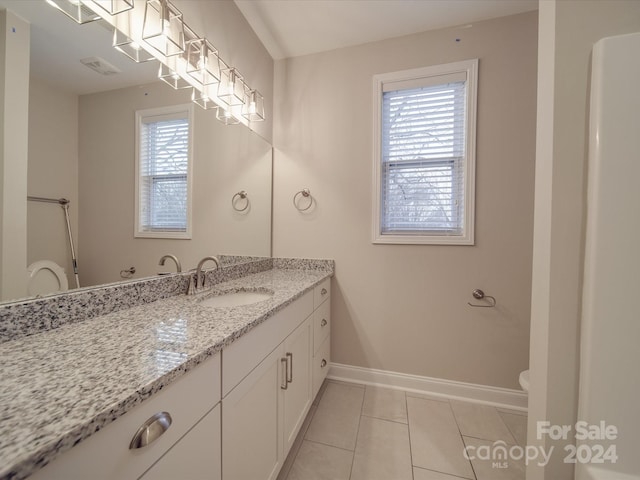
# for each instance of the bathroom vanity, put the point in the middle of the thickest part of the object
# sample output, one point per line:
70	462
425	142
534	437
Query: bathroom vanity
219	391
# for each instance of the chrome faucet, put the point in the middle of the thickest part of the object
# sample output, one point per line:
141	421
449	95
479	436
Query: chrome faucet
199	277
174	258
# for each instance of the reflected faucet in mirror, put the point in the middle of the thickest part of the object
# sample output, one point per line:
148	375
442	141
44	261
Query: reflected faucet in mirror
175	260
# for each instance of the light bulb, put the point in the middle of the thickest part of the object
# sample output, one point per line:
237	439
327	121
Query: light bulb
135	46
252	107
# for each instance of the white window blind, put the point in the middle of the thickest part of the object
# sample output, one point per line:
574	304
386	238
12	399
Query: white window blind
424	173
163	173
423	146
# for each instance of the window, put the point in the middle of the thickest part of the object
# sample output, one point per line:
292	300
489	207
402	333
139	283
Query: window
424	153
163	172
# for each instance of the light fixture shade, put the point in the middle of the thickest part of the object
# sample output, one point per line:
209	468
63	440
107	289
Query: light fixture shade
75	10
114	7
202	98
203	62
163	28
124	44
231	88
171	77
253	108
226	116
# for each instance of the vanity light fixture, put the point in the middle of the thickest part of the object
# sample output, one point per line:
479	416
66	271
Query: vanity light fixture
163	28
226	116
202	98
123	41
75	10
253	108
231	88
114	7
171	77
203	62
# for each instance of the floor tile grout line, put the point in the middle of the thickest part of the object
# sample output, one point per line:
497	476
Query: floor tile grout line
385	419
406	406
353	459
508	428
329	445
455	419
443	473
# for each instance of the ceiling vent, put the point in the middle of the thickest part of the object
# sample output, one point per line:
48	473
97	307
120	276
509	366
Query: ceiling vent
100	65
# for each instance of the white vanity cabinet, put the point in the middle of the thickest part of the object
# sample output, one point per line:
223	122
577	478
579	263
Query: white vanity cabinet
189	401
266	393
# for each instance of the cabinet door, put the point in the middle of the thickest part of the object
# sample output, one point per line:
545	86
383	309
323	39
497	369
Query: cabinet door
252	446
297	396
197	456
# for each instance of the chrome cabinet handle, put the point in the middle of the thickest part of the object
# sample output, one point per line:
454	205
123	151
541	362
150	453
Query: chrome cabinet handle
323	323
290	367
323	291
285	383
323	363
151	430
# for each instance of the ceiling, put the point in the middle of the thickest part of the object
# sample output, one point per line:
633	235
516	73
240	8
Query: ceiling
290	28
286	27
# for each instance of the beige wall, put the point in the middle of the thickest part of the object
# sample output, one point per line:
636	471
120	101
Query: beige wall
568	30
227	159
14	98
404	308
53	173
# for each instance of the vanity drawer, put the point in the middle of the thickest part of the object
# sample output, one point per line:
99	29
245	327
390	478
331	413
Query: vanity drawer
320	368
321	325
106	454
321	292
242	356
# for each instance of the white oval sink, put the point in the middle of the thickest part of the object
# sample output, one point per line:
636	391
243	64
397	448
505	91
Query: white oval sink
236	299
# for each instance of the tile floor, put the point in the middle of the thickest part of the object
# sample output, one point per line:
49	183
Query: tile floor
355	432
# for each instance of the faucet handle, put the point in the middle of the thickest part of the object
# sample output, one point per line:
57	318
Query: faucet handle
192	286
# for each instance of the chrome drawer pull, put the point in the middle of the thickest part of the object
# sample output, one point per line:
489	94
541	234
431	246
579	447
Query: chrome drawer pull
323	363
323	323
151	430
290	368
285	384
323	291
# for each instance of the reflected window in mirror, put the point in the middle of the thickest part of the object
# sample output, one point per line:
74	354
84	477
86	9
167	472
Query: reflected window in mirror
163	172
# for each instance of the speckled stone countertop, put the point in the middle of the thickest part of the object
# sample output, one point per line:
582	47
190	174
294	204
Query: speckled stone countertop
55	389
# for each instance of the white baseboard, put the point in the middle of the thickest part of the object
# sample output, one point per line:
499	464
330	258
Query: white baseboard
449	389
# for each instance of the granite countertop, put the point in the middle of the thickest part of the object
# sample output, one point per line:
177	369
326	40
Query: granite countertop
59	387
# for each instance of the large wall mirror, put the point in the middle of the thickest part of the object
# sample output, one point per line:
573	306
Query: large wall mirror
82	148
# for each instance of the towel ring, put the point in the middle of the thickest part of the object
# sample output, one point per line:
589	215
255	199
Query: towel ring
479	295
306	193
242	195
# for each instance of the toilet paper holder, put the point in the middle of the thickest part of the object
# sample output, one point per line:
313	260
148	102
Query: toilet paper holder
480	295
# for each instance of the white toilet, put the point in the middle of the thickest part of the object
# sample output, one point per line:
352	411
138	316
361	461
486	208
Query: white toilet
45	277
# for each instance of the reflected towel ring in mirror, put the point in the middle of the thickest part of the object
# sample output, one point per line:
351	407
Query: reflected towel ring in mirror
306	193
241	195
479	294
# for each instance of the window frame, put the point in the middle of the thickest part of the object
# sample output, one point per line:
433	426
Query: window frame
428	75
140	116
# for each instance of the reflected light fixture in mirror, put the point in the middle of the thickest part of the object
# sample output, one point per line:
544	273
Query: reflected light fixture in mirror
163	28
226	117
231	88
173	70
202	98
203	62
75	10
253	108
114	7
